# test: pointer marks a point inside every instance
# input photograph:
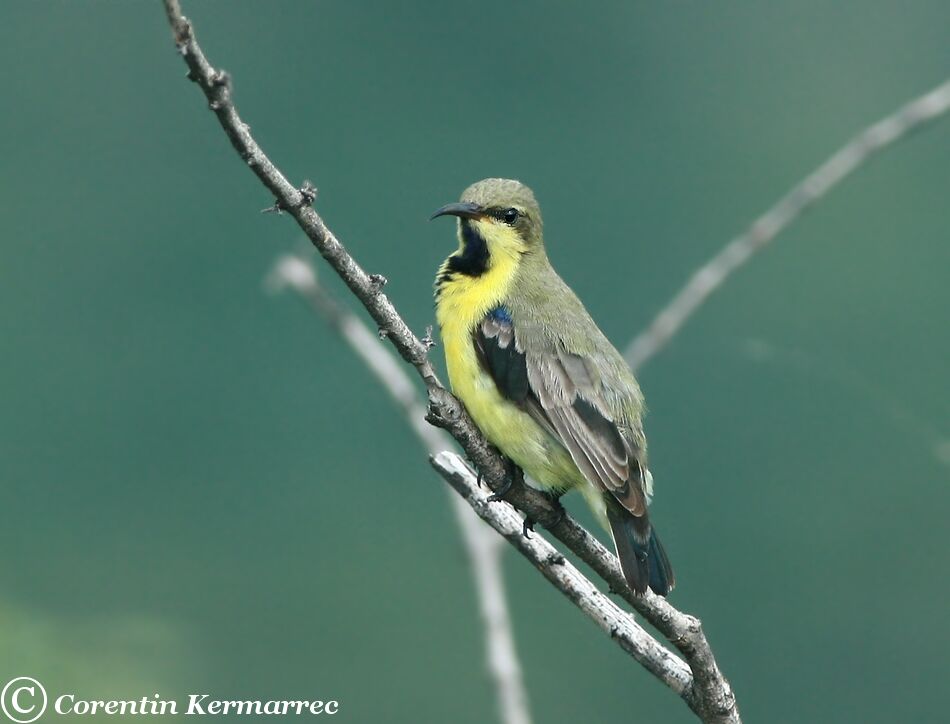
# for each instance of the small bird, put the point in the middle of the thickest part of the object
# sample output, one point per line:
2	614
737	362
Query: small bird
539	378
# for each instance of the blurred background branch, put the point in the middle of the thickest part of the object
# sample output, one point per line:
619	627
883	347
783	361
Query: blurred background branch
483	546
714	273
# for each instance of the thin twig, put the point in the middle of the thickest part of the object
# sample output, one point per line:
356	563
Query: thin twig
709	694
482	545
711	276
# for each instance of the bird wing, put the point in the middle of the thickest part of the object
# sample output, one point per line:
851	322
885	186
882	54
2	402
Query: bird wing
562	392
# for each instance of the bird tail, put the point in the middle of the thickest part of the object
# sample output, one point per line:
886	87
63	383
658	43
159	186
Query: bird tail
642	558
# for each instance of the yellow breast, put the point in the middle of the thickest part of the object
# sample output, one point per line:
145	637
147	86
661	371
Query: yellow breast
463	301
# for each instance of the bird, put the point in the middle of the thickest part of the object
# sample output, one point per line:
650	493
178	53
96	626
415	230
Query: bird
537	376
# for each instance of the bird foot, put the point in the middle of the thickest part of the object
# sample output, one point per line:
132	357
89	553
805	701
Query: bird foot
514	475
501	492
557	515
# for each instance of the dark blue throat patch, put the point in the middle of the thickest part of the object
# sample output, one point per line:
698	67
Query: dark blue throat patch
472	260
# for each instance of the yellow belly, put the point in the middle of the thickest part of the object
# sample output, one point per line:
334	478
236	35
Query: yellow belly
506	426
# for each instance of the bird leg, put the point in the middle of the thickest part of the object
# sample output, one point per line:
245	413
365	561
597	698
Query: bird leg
514	475
557	515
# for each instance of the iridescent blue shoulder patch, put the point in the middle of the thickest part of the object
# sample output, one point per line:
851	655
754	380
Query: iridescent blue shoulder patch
501	314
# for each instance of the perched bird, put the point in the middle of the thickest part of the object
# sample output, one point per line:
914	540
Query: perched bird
539	378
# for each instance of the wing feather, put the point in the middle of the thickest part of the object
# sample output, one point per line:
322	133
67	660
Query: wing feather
563	392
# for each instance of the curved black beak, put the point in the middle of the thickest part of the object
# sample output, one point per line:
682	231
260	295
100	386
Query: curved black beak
462	209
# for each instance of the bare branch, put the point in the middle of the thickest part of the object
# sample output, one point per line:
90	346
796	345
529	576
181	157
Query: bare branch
709	694
711	276
482	545
615	622
216	86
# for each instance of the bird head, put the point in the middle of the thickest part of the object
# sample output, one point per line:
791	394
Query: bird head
499	214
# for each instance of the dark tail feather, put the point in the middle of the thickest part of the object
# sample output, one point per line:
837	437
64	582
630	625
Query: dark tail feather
642	558
662	579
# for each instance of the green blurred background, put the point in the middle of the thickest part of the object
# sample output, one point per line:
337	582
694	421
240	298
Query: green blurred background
201	491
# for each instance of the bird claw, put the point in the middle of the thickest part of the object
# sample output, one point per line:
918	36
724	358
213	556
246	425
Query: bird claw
500	493
514	473
527	525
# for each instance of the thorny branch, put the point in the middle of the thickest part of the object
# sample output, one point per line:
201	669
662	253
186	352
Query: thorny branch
713	274
707	692
482	545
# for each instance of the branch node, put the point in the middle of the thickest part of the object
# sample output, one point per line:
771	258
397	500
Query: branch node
181	27
215	105
427	341
378	281
308	193
278	207
221	78
383	333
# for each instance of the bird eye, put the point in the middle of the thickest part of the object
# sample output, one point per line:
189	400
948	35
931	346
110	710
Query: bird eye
510	216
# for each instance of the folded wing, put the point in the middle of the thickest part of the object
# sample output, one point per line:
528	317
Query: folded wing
563	392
